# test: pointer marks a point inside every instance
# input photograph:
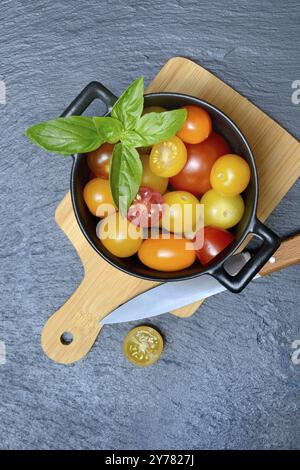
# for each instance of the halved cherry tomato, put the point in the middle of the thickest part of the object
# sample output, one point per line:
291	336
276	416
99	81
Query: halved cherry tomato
195	175
180	212
150	179
230	175
147	208
143	345
197	127
97	196
215	241
168	158
119	236
171	254
98	160
220	211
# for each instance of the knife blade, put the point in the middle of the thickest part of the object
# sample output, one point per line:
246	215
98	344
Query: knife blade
172	295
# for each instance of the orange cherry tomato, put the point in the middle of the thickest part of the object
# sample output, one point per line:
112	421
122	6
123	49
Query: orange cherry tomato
98	197
197	127
170	254
230	175
98	161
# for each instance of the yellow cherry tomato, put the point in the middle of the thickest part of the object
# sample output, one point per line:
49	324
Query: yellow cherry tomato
119	236
180	212
150	179
172	254
220	211
154	109
143	346
97	196
230	175
168	158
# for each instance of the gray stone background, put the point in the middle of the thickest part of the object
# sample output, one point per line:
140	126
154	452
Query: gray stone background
226	379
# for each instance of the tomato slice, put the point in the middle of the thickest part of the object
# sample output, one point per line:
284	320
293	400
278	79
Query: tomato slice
146	209
168	158
215	241
143	346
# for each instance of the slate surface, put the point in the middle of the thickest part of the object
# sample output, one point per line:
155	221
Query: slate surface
226	379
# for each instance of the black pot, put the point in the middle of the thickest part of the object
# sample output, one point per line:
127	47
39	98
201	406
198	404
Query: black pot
248	224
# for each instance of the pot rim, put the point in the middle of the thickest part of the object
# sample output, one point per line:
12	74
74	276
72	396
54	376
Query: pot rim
222	259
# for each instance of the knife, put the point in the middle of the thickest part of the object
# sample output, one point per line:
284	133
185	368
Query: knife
172	295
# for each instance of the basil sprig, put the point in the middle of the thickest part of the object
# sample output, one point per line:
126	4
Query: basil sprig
125	127
125	175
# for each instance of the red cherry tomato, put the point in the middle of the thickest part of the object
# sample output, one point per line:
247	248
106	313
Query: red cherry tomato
146	209
92	175
98	160
215	241
195	175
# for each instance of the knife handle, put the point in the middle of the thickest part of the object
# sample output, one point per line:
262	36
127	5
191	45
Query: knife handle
287	254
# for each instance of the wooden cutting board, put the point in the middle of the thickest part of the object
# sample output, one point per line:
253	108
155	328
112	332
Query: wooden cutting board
103	287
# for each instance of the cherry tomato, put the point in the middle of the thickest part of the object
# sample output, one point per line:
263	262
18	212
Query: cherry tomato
119	236
98	160
150	179
143	346
197	127
146	209
180	212
195	175
92	175
154	109
168	158
230	175
220	211
170	254
98	197
215	241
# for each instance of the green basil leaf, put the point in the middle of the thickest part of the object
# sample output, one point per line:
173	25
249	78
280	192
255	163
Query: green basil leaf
109	129
157	127
125	176
73	134
132	139
129	107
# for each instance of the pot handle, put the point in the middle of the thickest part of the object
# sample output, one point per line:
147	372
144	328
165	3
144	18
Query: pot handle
92	91
258	259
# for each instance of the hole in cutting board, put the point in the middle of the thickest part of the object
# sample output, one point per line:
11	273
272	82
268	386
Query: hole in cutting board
66	338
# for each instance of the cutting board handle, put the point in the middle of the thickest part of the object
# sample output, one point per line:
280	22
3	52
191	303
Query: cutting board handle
70	332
